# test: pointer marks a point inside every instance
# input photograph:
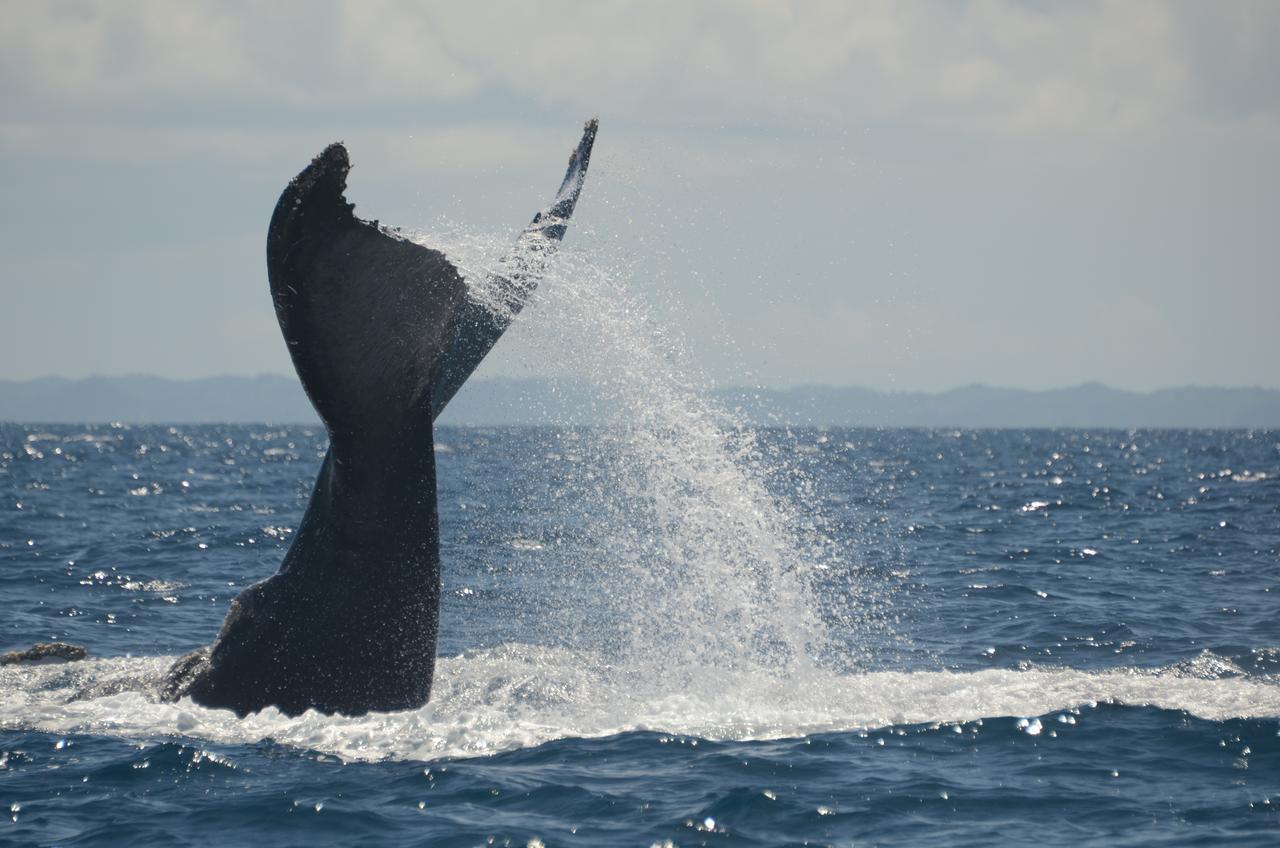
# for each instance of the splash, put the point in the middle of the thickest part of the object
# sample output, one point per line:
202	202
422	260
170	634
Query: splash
708	540
518	696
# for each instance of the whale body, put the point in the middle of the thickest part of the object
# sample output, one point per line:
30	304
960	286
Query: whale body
382	333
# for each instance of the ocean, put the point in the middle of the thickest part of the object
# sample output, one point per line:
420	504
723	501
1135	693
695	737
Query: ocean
674	631
669	627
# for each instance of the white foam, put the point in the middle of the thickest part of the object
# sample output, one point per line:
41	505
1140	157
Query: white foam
518	696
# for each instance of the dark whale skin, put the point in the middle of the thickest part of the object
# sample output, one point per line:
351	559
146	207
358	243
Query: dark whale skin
382	334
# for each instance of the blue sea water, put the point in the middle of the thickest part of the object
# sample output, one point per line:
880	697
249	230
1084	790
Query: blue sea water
685	634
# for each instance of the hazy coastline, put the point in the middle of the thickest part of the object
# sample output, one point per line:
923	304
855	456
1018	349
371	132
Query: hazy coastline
505	401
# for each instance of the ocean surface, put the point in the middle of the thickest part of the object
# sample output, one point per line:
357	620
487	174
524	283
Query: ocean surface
674	631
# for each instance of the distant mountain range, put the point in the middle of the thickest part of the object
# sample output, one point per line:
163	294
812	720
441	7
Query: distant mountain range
277	399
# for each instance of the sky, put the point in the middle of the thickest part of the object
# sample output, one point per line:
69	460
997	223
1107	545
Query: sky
899	195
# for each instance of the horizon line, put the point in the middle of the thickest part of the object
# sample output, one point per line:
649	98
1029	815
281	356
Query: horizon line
716	385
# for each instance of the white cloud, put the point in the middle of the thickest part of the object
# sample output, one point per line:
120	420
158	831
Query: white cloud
750	148
990	65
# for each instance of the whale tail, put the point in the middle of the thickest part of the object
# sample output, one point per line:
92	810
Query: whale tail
382	334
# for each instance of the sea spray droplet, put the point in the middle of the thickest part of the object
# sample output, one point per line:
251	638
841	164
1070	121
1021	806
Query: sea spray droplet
707	569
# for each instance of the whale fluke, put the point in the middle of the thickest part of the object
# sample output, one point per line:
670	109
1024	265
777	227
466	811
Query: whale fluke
382	334
481	324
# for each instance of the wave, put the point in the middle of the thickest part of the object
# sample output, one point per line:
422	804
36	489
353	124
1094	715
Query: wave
517	696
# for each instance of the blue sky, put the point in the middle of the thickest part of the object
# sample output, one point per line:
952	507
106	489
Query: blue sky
898	195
